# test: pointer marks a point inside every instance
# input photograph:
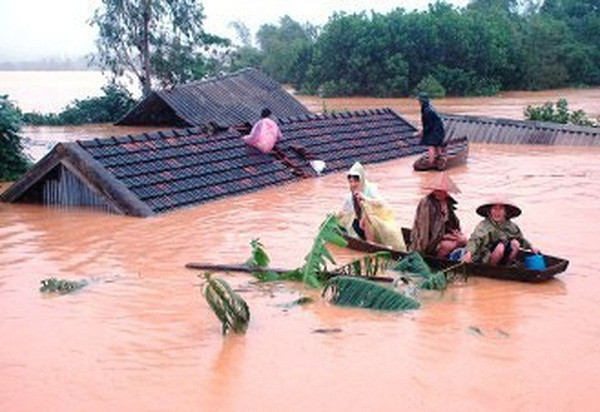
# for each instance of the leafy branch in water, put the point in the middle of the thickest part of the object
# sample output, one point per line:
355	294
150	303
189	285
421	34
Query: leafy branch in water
369	265
230	308
260	260
259	257
315	263
358	292
62	286
319	255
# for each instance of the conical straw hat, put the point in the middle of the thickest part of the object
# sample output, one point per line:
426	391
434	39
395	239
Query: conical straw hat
511	209
441	181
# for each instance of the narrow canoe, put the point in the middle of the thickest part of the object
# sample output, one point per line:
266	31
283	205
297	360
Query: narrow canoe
456	153
554	265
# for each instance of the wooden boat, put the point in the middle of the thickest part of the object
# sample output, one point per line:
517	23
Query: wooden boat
554	265
456	153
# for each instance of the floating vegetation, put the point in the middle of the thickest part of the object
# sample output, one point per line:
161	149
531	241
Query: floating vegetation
259	257
327	330
358	292
314	271
230	308
349	285
369	265
61	286
260	260
304	300
414	263
319	255
475	330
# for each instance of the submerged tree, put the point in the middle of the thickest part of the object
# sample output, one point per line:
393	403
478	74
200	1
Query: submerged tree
286	49
559	113
13	162
153	39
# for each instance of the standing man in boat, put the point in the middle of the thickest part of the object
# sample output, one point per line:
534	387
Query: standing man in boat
496	239
366	215
436	228
432	131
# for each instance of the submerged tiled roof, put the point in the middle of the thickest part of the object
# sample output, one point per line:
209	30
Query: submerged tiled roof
171	169
228	100
508	131
156	172
340	139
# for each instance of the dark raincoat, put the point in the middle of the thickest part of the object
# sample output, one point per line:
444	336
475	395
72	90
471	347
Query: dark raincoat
433	127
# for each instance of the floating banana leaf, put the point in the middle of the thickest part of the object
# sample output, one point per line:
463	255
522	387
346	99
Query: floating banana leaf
358	292
317	258
414	263
437	281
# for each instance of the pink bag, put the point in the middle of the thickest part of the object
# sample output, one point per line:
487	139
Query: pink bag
264	135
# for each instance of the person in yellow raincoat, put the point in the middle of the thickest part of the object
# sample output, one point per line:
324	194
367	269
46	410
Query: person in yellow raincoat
365	214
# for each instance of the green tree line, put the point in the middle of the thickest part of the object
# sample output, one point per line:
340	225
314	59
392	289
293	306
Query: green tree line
13	162
485	47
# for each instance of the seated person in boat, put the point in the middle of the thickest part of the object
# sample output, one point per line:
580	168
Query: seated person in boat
366	215
436	229
264	134
496	239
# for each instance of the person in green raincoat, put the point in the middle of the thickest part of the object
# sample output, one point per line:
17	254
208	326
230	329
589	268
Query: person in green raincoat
497	239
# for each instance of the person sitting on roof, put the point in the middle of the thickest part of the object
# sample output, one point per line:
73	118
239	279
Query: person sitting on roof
432	133
264	134
436	228
496	239
366	215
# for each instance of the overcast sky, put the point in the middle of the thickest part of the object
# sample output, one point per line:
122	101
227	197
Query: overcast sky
31	29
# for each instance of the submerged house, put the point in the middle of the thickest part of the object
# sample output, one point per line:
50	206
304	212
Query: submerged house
230	100
151	173
509	131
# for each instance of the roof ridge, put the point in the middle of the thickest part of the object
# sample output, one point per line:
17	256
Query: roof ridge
147	136
343	114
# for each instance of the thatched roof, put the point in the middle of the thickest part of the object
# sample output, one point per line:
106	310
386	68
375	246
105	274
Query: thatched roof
229	100
156	172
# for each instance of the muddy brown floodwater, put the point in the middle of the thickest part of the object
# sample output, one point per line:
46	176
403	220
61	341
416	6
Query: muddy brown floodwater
140	337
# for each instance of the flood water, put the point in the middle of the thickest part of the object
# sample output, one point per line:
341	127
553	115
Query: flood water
141	337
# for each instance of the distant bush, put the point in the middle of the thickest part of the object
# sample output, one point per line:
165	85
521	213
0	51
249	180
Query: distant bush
484	86
558	113
13	162
458	82
110	107
335	88
431	86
